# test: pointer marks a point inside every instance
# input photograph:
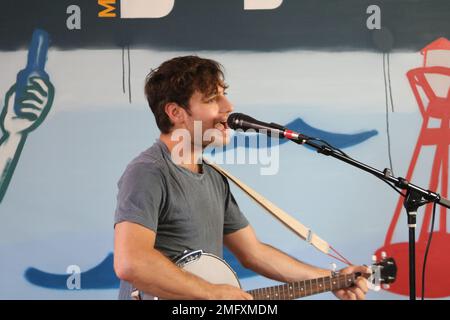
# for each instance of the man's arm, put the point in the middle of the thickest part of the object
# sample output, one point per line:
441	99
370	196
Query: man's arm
273	263
267	260
138	262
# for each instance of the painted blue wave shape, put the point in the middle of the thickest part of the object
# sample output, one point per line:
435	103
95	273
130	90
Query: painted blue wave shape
102	276
338	140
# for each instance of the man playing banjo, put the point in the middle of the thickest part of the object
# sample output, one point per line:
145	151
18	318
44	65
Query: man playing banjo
168	205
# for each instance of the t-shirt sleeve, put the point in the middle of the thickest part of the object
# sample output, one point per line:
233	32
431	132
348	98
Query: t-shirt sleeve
234	219
140	197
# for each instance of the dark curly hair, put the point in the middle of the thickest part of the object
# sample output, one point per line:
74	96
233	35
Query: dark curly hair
176	80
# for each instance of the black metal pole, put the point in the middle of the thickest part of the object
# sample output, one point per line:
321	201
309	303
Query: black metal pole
412	263
412	202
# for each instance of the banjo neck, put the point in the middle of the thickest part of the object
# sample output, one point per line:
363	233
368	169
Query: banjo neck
299	289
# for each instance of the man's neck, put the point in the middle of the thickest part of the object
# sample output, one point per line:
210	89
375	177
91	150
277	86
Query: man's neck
188	156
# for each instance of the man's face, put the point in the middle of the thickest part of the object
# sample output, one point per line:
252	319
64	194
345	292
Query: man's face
212	111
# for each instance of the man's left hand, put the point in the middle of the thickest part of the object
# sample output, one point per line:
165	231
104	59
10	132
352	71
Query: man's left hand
359	290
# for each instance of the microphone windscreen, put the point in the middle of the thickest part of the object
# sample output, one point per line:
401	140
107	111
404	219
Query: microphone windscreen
235	120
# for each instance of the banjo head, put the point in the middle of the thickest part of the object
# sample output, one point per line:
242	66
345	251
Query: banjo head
209	267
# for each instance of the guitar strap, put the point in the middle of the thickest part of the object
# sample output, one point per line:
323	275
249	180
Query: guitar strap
290	222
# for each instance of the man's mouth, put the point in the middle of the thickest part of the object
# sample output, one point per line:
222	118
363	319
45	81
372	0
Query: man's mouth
222	125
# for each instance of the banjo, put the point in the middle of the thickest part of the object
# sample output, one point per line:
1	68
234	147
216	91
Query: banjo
215	270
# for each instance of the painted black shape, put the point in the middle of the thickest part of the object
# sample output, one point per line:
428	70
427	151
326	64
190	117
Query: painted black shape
225	25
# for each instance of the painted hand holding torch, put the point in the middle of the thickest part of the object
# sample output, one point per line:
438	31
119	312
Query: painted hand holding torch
27	104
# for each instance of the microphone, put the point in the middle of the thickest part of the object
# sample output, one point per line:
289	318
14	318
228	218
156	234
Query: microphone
245	122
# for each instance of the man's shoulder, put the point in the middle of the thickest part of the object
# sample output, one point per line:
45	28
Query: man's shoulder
144	169
148	164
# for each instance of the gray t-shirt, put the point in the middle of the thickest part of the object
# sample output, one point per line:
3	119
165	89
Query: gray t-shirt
187	210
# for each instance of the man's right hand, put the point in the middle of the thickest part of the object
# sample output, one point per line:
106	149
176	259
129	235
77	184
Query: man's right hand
227	292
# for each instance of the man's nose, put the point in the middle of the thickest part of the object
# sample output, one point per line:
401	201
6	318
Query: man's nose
226	106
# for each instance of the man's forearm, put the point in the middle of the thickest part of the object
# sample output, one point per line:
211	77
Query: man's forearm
277	265
158	276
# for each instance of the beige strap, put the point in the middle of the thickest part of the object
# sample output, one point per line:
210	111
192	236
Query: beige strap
289	221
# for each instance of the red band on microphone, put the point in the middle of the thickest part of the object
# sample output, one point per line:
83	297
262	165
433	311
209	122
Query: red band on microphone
289	134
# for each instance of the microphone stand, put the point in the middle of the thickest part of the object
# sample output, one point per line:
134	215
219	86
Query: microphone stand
415	197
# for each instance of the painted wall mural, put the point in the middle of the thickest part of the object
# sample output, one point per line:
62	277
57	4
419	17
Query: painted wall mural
359	76
27	103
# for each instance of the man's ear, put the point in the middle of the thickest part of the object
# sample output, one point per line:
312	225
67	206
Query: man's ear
175	113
